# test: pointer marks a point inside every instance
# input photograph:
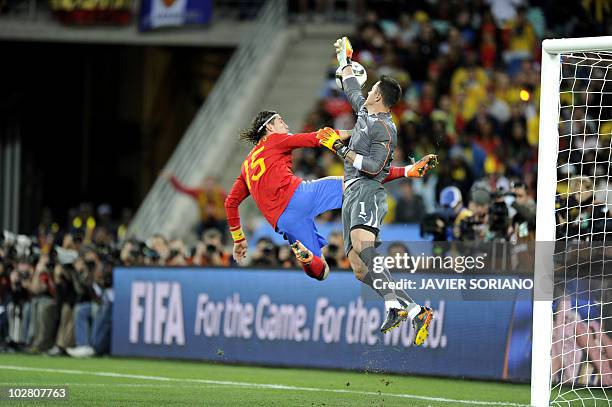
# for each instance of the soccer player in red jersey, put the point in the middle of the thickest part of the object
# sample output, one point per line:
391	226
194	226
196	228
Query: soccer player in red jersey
287	202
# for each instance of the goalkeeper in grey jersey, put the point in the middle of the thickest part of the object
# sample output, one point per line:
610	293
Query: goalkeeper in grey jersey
367	159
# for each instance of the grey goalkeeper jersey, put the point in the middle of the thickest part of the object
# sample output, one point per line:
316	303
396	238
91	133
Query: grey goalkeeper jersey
374	137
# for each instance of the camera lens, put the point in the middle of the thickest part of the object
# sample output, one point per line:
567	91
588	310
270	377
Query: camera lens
91	265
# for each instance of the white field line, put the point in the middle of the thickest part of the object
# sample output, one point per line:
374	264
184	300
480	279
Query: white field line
260	385
150	385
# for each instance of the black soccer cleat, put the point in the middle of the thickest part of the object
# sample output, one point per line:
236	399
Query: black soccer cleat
395	316
421	325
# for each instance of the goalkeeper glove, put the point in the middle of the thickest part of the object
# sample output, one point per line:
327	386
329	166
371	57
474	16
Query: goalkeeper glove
330	139
343	151
344	52
420	168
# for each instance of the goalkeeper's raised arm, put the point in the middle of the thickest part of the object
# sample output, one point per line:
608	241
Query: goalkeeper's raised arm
344	53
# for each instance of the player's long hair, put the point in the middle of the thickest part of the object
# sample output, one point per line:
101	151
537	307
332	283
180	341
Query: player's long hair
257	130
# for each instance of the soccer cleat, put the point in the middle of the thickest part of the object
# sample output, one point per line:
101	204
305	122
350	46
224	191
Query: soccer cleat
314	266
421	325
420	168
303	255
395	316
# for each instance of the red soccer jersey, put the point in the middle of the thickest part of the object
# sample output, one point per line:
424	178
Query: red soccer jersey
267	175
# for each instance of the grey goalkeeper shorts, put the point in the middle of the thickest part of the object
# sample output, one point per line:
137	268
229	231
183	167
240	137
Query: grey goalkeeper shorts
364	204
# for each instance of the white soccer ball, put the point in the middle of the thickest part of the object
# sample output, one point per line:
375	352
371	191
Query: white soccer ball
358	70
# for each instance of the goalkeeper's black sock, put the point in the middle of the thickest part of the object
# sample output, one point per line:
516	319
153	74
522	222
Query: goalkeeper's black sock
392	298
369	281
368	255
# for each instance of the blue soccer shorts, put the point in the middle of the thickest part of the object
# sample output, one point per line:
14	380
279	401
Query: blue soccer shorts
310	199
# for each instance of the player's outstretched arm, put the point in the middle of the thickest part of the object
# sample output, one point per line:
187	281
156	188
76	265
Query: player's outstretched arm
237	194
309	140
350	85
293	141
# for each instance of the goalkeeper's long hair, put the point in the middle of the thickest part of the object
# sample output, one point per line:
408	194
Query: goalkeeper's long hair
258	128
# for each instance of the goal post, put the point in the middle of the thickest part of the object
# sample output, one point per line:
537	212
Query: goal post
590	56
545	228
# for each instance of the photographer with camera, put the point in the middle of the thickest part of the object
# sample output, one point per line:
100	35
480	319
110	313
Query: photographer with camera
92	278
43	305
499	217
19	270
65	297
83	278
209	252
131	254
156	251
443	224
101	326
178	253
487	218
136	253
524	221
265	253
475	226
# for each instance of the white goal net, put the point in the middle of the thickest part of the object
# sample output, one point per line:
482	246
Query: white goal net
581	337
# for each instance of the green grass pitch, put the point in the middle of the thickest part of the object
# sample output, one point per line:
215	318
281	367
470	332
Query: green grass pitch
127	382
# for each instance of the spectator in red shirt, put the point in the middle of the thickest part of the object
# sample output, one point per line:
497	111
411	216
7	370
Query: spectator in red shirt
210	197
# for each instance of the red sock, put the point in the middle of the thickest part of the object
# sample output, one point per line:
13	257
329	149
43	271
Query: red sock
394	173
315	268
